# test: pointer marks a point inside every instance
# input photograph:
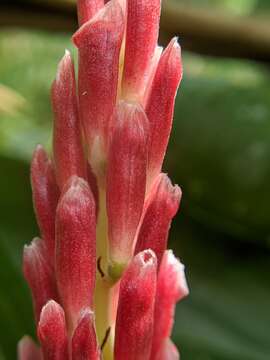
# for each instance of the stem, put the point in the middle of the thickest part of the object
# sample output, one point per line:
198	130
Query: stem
103	287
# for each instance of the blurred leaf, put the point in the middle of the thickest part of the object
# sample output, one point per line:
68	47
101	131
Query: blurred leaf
226	315
27	68
233	7
17	228
220	147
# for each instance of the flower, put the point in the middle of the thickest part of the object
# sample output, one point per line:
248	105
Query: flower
102	282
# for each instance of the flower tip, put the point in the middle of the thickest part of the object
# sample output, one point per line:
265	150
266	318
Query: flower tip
64	70
147	258
177	270
28	350
110	14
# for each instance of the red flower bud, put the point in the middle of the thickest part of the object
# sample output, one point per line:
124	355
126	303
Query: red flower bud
126	179
76	248
84	340
39	274
160	105
68	152
28	350
171	287
134	322
52	332
141	40
161	206
99	42
45	196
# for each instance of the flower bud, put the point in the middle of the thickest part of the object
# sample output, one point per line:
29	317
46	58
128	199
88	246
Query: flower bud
126	179
160	105
171	287
38	272
67	147
76	248
87	9
161	206
99	42
84	340
28	350
45	197
52	332
134	322
141	39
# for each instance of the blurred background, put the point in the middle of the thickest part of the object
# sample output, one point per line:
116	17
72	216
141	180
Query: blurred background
219	154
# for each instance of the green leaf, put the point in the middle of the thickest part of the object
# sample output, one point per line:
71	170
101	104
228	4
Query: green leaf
220	149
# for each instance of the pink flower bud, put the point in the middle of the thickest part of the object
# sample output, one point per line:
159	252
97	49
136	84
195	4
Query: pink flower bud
28	350
161	206
52	332
87	9
84	340
160	104
141	40
171	287
38	272
126	179
76	248
134	322
99	41
168	351
45	196
68	152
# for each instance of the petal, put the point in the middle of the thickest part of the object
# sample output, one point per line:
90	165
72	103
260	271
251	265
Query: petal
126	179
45	196
39	274
28	350
84	340
99	42
161	206
87	9
76	248
141	40
160	105
67	146
52	332
171	287
134	322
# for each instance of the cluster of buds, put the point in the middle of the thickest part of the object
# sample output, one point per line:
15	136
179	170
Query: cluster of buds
103	284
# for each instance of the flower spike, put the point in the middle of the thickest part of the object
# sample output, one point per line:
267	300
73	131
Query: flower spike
103	284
